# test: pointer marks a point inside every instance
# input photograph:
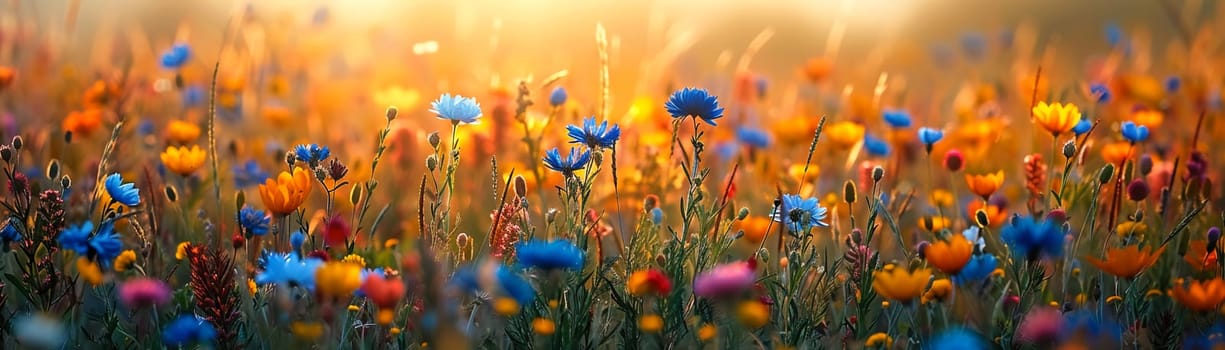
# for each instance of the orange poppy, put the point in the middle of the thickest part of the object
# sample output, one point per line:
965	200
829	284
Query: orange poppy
985	185
754	228
1150	118
996	216
1198	256
949	256
1126	262
287	192
83	123
1200	296
1116	153
6	76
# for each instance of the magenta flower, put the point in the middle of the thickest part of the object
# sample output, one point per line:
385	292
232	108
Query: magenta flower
725	280
142	291
1040	326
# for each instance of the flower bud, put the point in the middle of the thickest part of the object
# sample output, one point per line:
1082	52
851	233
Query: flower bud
65	181
1146	164
355	195
290	158
742	214
321	173
598	158
551	215
1137	190
431	162
172	194
1058	215
878	173
981	218
391	113
53	169
857	236
520	186
434	139
848	192
922	249
6	153
1105	174
18	142
1069	149
1214	234
650	202
954	160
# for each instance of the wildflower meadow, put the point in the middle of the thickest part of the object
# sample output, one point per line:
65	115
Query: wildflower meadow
416	175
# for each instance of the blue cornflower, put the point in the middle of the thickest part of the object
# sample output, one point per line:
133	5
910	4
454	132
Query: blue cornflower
897	118
1033	238
1082	127
1172	83
1086	323
254	221
193	95
125	193
249	174
457	109
558	96
76	238
929	137
9	233
146	127
1100	92
465	279
974	44
287	269
188	329
799	214
753	137
558	254
1134	133
1114	34
515	286
311	154
694	102
106	244
957	338
594	135
657	215
296	240
176	56
979	267
568	165
875	146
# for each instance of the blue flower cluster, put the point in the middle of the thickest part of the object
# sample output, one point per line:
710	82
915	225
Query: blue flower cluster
311	154
546	255
254	221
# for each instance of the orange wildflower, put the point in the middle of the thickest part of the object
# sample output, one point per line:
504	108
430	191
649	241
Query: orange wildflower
949	256
985	185
1126	262
182	132
1198	256
900	284
1116	153
846	134
1056	118
818	68
287	193
83	123
1200	296
6	76
996	216
754	228
1150	118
